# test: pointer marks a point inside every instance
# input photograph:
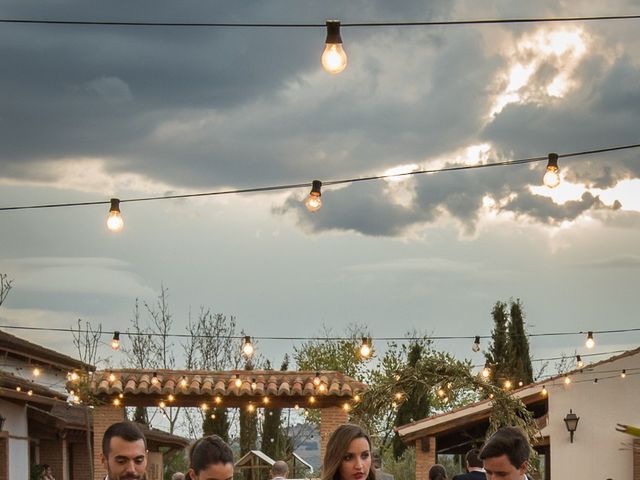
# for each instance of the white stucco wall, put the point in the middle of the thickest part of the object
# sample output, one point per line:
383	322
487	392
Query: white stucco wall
598	451
16	425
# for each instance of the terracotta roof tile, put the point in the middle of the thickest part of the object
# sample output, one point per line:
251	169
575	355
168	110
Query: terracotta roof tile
146	387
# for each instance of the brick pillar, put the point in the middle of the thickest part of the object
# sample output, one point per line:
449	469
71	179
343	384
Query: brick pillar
79	461
4	455
103	417
52	453
330	419
425	456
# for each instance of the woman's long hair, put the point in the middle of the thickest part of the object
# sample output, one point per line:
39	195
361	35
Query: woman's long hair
337	447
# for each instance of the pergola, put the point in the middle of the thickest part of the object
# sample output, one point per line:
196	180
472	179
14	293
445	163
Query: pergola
331	392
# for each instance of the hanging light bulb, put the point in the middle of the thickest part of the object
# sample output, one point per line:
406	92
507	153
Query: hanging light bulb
623	374
579	362
115	341
313	202
116	402
322	388
316	379
171	398
114	221
312	399
476	344
544	391
356	398
238	382
36	372
204	407
247	346
254	385
112	377
567	380
590	343
183	382
486	371
162	404
365	348
154	378
251	408
551	177
334	58
507	384
218	399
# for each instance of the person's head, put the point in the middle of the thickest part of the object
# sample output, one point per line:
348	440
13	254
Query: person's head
348	455
46	469
124	451
376	460
473	458
210	458
437	472
505	454
177	476
279	469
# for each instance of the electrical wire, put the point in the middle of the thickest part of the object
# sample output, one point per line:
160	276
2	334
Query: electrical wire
256	337
505	163
430	23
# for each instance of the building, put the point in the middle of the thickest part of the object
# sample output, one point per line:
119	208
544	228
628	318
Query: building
602	395
38	426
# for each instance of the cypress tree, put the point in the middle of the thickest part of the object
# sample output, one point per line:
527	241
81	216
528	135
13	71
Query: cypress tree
521	369
217	422
498	353
274	442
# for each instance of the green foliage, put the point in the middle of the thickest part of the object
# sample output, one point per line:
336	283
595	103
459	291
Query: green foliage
174	461
216	422
521	369
274	439
36	472
403	468
498	354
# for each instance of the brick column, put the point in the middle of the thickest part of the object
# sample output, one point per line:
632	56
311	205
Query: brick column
425	456
52	453
4	455
103	417
330	419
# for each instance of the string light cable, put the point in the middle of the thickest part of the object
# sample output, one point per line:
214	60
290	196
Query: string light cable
429	23
309	338
293	186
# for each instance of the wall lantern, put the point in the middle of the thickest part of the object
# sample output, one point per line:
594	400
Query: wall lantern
572	423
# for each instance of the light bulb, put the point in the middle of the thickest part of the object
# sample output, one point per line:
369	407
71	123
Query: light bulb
476	344
365	348
36	372
112	377
623	374
204	407
313	201
590	343
115	342
544	390
486	371
316	379
334	58
238	382
247	346
579	362
114	221
567	380
507	384
551	177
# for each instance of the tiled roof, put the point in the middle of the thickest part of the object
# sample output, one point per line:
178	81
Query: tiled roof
265	388
19	347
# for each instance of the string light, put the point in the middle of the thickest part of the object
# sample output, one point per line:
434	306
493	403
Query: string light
73	376
171	398
346	407
251	408
595	380
115	341
356	398
296	407
218	399
567	380
112	377
254	385
247	347
334	58
312	399
183	382
476	344
316	379
579	362
36	372
322	388
213	416
162	404
154	378
507	384
486	371
365	348
544	391
551	177
30	393
313	201
238	382
116	402
114	220
265	400
623	374
590	343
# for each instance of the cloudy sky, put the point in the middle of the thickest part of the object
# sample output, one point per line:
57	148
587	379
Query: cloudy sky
93	112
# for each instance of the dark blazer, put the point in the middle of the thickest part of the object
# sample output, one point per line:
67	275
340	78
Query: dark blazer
471	476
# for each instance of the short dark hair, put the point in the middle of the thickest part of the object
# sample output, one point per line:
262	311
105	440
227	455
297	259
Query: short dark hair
128	431
509	441
473	458
209	451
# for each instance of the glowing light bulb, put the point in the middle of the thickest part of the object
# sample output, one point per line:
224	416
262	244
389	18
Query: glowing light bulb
312	399
623	374
36	372
171	398
476	344
265	400
590	343
346	407
238	382
251	408
316	379
322	388
162	404
247	346
334	58
544	391
365	348
116	402
486	371
114	221
204	407
112	377
507	384
579	362
183	382
551	177
567	380
356	398
313	201
218	400
115	341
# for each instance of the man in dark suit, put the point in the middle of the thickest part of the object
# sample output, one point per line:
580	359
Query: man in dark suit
474	467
